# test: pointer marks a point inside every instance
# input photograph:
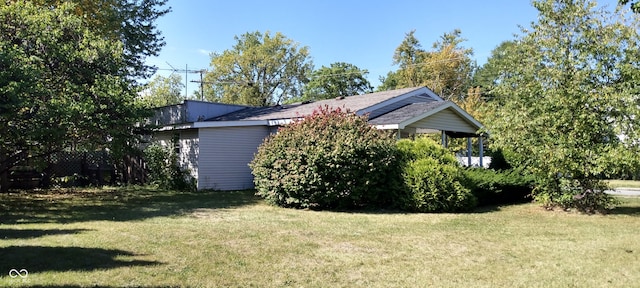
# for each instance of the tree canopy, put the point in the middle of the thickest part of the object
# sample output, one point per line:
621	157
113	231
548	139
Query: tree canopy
446	69
162	91
488	76
635	5
339	79
130	22
570	113
260	70
62	83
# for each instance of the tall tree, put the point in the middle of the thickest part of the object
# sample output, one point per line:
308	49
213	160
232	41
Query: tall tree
410	58
131	22
571	109
635	5
488	76
61	85
162	91
260	70
339	79
446	69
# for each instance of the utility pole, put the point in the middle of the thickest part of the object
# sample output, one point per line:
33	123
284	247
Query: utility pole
202	71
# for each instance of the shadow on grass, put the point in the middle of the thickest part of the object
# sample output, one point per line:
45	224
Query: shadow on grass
628	206
119	204
38	259
631	211
9	234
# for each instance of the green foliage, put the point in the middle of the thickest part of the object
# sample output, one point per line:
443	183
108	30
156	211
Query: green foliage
446	69
163	91
165	171
130	22
499	161
487	76
260	70
572	194
432	178
330	159
339	79
635	5
570	109
493	187
62	85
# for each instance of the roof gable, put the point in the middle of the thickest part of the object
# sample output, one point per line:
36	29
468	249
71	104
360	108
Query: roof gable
431	115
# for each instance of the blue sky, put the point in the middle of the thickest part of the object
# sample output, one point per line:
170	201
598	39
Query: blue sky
363	33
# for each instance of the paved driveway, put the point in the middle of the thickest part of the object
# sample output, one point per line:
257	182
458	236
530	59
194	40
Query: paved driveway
625	191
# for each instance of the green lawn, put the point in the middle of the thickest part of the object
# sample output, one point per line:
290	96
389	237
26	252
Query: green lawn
624	183
142	237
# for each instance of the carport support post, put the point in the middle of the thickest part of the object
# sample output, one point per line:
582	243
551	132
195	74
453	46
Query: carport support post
469	150
481	147
444	139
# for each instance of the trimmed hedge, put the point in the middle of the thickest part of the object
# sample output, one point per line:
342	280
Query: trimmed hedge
493	187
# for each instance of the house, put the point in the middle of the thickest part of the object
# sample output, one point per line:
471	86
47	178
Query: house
217	141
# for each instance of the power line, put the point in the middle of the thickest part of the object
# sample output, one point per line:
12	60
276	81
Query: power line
186	71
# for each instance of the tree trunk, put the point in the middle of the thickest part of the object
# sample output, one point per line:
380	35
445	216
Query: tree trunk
4	174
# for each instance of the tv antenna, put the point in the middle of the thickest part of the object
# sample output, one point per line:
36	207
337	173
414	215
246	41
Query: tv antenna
186	78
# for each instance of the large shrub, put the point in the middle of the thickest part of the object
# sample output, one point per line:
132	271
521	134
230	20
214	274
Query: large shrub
330	159
492	187
432	178
165	171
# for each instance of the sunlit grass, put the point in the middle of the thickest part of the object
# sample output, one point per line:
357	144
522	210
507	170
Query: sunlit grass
624	183
218	239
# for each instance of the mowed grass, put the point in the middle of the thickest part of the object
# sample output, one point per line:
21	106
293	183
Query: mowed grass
624	183
141	237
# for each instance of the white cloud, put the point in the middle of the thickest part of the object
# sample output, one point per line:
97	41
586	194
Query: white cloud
204	52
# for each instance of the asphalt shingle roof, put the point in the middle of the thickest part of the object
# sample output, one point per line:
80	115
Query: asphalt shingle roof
353	103
405	113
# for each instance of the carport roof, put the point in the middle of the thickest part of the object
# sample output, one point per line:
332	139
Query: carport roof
417	115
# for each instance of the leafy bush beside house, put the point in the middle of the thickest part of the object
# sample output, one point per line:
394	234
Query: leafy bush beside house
164	169
332	159
432	178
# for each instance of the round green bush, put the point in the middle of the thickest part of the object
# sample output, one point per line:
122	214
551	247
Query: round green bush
432	178
330	159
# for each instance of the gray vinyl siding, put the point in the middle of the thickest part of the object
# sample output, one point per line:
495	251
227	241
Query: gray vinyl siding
188	156
163	138
445	120
188	147
225	153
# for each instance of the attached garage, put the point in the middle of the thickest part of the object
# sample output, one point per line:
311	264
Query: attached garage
224	156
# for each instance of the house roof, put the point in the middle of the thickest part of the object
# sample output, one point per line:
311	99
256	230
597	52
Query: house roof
405	113
413	115
408	108
356	103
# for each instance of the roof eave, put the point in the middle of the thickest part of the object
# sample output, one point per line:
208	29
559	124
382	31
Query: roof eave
466	116
238	123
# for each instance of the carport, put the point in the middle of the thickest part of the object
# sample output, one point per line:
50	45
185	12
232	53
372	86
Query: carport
433	117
